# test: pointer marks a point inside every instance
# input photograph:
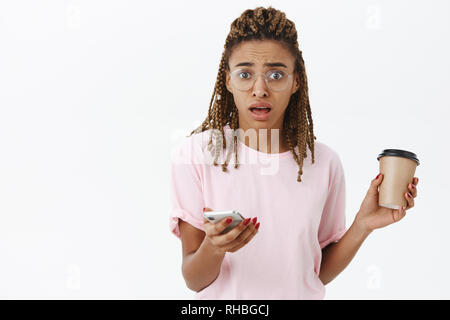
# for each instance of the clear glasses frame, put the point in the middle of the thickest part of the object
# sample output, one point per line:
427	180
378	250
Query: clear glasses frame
289	75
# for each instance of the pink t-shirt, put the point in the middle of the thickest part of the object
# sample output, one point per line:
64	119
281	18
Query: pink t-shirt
298	219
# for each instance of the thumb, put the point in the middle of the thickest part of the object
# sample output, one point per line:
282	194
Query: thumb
205	210
375	183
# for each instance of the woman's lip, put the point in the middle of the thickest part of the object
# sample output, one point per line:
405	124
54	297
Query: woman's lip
260	117
260	104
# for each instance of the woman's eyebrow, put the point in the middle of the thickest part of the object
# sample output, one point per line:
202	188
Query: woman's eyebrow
269	64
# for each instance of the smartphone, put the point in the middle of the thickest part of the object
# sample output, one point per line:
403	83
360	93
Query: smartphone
216	216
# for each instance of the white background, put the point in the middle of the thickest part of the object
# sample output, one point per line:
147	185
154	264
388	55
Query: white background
94	95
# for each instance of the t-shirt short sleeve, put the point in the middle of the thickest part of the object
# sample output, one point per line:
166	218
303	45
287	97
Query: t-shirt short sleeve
332	224
185	185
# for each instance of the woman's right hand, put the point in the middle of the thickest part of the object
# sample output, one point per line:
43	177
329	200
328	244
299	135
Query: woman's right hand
234	239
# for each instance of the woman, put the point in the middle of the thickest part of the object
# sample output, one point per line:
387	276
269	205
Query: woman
294	239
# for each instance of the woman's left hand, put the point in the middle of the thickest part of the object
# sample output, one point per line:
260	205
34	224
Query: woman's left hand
371	216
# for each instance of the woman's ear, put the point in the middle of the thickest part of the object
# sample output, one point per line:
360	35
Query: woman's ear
227	82
296	83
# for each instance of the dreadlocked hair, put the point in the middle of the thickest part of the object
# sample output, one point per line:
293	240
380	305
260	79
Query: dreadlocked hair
260	24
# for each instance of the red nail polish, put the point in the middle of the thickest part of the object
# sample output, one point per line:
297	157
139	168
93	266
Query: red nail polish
377	176
257	225
413	186
254	220
204	209
229	220
409	195
246	221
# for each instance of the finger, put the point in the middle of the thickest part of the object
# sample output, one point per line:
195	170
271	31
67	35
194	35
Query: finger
248	235
213	229
222	225
243	235
412	189
398	214
205	210
373	189
415	181
242	243
206	222
233	233
208	227
410	200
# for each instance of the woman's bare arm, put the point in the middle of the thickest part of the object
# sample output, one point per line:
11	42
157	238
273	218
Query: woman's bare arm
204	251
201	261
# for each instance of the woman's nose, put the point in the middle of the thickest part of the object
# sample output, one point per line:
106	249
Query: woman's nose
260	86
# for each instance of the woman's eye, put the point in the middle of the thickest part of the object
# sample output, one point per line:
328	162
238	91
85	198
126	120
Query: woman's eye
277	75
243	73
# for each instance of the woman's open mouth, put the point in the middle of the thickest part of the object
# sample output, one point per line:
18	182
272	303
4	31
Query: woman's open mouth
260	114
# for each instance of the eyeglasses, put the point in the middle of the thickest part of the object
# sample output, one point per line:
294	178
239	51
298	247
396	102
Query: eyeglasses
276	80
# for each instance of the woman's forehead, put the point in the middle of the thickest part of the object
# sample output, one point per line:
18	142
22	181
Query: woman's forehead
260	53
